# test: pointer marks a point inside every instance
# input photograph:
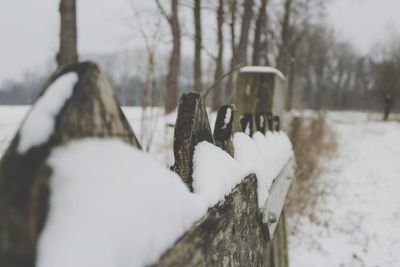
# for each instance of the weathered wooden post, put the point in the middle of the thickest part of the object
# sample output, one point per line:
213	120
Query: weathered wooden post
77	102
261	91
232	232
247	122
226	125
192	127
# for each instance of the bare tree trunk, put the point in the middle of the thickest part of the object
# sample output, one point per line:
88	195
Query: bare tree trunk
232	29
175	59
216	102
292	75
388	101
283	54
241	53
259	30
68	53
198	45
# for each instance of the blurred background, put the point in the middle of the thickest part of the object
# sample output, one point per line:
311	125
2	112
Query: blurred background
335	54
341	60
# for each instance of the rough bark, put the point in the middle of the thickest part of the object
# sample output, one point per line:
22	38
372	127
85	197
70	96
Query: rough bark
261	122
283	54
232	30
255	93
241	53
292	75
216	102
197	46
259	30
91	111
231	234
224	131
68	52
192	127
247	123
172	84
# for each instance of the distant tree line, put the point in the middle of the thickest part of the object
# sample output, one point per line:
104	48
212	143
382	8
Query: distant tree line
322	70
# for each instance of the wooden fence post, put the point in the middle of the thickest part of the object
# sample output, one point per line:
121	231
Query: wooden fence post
226	125
90	111
261	122
192	127
261	91
247	123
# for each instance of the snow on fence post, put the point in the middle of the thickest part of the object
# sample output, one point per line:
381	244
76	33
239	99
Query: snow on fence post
261	91
77	102
226	125
261	122
192	127
247	123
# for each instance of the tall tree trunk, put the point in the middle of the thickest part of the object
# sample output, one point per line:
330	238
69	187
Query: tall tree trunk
241	53
216	102
175	59
68	53
232	29
283	54
292	75
197	46
388	105
259	30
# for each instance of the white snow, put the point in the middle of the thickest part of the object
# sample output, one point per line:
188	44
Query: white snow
262	121
356	222
120	212
39	125
131	209
215	172
263	155
227	118
262	69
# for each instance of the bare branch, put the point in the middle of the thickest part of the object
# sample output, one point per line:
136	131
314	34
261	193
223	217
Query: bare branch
163	11
209	89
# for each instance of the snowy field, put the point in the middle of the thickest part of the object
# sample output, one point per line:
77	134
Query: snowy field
357	222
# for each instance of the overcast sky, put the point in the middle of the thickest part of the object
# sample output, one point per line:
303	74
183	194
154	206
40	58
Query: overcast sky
29	29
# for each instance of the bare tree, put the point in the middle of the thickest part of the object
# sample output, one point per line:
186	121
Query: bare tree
197	45
259	31
387	78
175	58
68	52
240	56
233	10
216	102
240	50
283	53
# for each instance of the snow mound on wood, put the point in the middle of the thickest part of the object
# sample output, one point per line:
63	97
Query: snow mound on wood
39	124
120	212
263	155
129	210
215	172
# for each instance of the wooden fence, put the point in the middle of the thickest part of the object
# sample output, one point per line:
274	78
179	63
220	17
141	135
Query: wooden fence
235	232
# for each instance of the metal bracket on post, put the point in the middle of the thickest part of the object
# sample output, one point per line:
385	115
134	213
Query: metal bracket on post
277	197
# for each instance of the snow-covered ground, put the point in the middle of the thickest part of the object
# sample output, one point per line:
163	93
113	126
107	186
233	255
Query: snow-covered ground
357	222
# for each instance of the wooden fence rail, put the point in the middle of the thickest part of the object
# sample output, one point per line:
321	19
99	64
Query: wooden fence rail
235	232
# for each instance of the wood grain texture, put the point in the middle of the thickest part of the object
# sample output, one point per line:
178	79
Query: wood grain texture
91	111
